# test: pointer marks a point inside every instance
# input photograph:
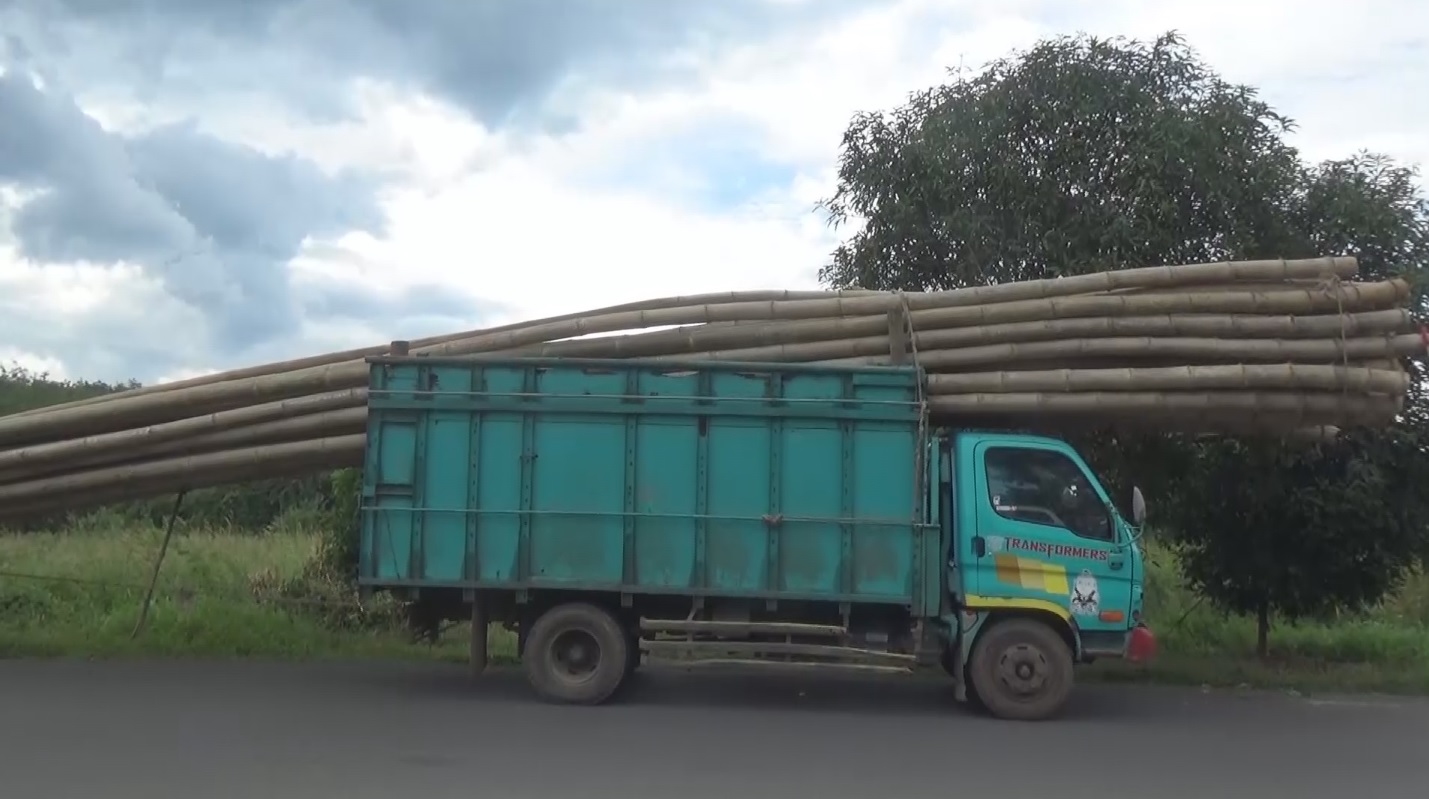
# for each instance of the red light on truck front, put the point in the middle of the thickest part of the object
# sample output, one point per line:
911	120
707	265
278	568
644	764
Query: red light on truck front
1140	644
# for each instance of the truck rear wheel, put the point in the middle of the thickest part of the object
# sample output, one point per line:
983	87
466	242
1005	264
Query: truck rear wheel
1022	669
577	653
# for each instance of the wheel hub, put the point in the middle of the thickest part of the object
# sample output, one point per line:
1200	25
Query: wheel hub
1023	669
576	655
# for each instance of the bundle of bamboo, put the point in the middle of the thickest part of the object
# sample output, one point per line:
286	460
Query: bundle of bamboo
1243	347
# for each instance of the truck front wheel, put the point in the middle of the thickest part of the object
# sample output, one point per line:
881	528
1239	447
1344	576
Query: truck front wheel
1022	669
577	653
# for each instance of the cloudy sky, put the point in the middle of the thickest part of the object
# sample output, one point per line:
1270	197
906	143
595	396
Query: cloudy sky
187	185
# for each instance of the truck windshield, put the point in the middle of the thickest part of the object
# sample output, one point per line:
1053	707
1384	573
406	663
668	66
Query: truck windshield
1043	486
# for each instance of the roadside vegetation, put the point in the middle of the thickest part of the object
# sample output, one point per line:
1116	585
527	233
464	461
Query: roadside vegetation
271	592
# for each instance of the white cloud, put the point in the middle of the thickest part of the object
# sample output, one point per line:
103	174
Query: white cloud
60	318
611	213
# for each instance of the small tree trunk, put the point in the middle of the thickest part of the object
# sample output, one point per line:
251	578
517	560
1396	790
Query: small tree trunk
1262	631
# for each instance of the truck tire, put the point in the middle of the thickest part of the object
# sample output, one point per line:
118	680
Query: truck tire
1022	670
577	653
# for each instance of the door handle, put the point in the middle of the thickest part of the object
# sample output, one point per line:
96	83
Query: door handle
1115	561
979	546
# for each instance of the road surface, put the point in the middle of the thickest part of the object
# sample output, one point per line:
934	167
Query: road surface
352	731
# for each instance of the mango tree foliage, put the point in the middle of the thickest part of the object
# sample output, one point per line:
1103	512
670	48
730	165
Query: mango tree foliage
1079	155
1083	154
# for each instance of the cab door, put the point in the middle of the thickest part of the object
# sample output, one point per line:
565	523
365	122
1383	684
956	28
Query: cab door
1046	535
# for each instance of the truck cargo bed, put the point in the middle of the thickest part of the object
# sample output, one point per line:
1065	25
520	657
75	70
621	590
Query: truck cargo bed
646	477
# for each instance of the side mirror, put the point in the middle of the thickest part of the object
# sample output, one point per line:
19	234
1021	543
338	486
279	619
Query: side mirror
1138	506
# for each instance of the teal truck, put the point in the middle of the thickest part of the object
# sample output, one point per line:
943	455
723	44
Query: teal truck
614	512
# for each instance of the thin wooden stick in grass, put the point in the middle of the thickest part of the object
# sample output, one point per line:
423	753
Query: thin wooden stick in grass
158	564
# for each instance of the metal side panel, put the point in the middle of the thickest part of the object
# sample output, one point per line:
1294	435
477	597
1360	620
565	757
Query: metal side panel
706	478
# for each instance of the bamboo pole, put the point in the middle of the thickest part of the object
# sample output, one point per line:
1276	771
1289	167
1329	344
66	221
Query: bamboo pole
119	412
318	424
849	344
1268	377
39	456
1312	351
1274	347
1143	277
191	472
1302	405
768	340
1345	297
326	359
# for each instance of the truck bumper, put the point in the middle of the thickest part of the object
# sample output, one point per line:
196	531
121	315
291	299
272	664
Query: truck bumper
1140	644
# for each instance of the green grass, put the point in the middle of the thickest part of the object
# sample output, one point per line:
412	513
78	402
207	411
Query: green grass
205	602
1386	649
234	594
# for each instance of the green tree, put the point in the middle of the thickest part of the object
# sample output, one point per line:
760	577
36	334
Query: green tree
1084	154
1077	156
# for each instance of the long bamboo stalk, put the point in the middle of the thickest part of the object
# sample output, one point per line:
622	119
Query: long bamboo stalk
337	421
172	474
1144	277
847	345
359	353
188	473
37	457
1345	297
867	334
1301	405
348	420
1312	351
329	424
1270	347
96	488
1269	377
119	412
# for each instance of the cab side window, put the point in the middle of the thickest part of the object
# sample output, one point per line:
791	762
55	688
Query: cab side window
1041	486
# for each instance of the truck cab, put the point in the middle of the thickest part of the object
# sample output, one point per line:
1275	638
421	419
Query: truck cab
1044	570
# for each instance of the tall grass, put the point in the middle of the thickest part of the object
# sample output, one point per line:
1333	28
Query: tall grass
220	592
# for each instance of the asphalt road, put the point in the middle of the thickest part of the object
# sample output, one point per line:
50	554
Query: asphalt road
313	731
